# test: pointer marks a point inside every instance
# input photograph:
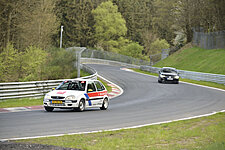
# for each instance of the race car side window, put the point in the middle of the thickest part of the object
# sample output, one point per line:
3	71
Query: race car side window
91	87
99	86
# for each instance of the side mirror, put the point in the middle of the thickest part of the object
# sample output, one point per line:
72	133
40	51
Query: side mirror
90	90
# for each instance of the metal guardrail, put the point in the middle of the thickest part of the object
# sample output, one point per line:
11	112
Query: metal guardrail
106	62
87	53
199	76
13	90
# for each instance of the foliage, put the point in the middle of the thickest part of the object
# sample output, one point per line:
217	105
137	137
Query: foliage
138	16
27	22
36	64
9	63
60	64
78	22
22	66
33	63
109	25
132	49
106	25
158	45
163	19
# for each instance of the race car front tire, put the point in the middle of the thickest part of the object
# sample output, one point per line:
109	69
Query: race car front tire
49	109
81	106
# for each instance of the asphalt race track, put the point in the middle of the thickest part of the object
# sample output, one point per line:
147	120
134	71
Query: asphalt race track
144	101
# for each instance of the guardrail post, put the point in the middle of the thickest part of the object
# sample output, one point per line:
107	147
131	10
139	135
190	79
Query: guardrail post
78	60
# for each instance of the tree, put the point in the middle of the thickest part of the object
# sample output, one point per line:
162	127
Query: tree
27	22
133	49
163	19
158	45
109	25
8	23
9	64
199	14
138	16
78	22
39	25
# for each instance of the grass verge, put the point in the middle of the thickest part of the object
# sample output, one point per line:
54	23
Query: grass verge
196	59
205	83
206	133
21	102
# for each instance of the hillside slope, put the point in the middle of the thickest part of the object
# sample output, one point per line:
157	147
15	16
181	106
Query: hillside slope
196	59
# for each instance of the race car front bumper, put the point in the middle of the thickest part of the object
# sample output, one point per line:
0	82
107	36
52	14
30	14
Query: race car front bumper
60	103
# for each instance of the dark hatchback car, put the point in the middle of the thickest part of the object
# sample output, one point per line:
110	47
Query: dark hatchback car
168	75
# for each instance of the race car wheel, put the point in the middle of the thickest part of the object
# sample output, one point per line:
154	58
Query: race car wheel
105	104
81	106
49	109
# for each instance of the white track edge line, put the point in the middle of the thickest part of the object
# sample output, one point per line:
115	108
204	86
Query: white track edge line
116	129
209	87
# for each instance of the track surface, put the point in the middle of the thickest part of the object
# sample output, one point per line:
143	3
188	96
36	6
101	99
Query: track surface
144	101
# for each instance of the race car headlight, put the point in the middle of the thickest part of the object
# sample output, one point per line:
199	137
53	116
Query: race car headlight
71	97
47	97
176	77
162	76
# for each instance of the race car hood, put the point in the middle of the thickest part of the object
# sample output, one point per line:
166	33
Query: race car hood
65	93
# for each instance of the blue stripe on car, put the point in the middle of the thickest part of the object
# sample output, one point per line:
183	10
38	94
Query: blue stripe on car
87	97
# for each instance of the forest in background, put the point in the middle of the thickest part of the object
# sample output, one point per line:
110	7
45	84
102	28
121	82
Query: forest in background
130	27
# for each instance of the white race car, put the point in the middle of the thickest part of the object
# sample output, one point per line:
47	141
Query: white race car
77	94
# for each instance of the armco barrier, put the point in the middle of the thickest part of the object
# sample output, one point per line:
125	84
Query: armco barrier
106	62
14	90
217	78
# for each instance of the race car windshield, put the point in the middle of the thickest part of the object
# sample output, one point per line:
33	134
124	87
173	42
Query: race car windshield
169	71
72	85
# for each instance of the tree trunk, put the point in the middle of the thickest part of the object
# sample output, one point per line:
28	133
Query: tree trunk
189	33
8	28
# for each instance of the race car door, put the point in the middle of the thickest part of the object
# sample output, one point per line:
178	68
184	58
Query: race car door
93	95
101	91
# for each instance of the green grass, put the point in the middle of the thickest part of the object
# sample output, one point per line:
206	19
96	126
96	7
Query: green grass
206	133
83	73
21	102
196	59
205	83
109	88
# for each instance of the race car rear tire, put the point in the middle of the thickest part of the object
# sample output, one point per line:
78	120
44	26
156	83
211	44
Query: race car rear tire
81	106
49	109
105	104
